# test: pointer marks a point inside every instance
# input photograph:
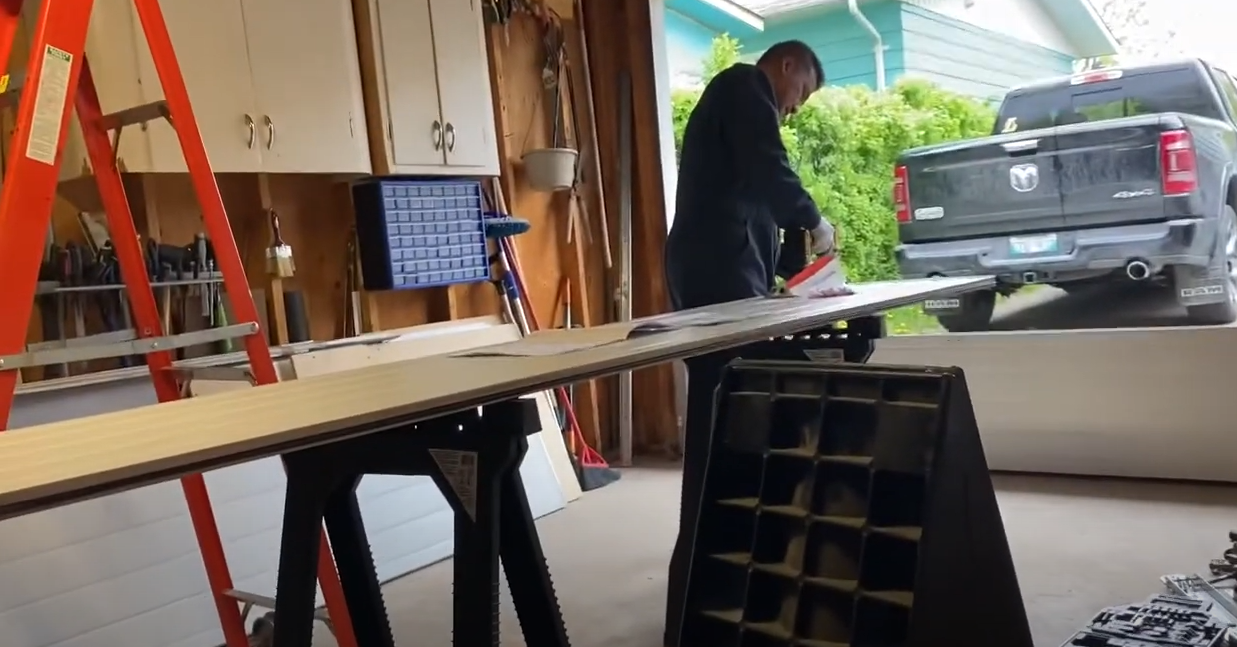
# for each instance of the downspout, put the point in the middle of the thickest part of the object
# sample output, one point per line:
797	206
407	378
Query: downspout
853	5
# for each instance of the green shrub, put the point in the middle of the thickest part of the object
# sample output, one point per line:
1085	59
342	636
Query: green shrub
844	143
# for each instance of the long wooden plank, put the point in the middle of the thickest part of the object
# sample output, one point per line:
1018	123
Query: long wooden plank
50	465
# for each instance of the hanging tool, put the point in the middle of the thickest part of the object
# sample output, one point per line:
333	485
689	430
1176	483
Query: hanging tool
594	472
279	261
580	204
73	262
105	271
587	106
51	304
199	274
352	289
279	266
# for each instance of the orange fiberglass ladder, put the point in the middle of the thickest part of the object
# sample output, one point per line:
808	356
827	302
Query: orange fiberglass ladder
57	78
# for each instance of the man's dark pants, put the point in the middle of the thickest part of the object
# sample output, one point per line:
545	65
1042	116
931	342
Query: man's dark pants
704	373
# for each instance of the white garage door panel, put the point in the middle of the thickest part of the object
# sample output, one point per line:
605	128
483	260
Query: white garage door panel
418	520
1133	402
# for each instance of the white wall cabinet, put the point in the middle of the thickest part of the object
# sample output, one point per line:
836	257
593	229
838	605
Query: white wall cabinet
427	87
275	85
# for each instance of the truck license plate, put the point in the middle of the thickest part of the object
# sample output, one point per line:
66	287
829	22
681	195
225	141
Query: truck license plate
1033	244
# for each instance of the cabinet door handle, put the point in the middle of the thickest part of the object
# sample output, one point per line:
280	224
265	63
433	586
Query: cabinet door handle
253	133
450	137
270	131
436	135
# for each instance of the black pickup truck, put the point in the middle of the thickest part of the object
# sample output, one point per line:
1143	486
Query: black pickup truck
1112	175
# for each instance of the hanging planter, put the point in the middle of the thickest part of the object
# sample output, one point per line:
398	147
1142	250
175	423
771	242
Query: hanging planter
550	169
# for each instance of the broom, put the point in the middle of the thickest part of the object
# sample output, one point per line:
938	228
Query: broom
593	470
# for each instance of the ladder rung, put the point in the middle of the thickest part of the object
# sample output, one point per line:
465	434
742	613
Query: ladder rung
114	337
136	115
55	287
122	349
267	602
216	373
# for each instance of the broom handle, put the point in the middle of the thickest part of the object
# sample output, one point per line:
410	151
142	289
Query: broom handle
507	248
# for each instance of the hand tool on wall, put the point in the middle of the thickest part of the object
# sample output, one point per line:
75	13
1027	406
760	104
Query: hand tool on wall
594	471
583	102
279	266
73	267
200	273
51	314
352	289
111	304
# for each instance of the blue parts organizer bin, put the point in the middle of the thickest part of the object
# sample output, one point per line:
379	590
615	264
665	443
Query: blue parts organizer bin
420	233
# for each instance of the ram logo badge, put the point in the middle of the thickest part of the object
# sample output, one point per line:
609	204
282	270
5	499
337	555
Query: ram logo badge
1024	178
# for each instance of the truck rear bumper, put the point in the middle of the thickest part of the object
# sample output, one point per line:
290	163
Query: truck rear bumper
1077	255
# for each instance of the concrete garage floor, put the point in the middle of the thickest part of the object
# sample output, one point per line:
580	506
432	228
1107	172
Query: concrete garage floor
1079	545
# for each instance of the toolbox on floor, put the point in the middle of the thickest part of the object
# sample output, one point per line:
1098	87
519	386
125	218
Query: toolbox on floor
414	233
849	505
1161	621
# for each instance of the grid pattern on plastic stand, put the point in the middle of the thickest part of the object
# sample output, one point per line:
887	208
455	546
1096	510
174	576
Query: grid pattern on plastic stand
415	233
815	508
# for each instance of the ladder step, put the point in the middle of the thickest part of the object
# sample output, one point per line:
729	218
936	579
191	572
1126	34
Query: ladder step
214	373
137	115
267	602
12	84
114	337
134	346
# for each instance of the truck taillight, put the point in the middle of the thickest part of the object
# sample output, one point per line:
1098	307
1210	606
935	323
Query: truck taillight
1178	165
901	195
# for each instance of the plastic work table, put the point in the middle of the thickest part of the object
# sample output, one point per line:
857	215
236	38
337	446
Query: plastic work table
455	418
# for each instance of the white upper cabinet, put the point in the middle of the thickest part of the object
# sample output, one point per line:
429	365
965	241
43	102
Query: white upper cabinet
274	85
427	87
303	55
211	48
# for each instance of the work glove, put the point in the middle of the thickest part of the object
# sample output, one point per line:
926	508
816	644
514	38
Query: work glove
823	238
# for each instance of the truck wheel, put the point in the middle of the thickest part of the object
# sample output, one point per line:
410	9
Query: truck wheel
976	313
1218	314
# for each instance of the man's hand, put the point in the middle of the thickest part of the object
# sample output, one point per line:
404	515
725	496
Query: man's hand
823	241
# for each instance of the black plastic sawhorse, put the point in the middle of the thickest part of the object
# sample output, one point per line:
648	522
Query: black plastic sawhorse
474	458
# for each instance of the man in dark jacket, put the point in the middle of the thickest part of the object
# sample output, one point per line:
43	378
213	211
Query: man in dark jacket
736	195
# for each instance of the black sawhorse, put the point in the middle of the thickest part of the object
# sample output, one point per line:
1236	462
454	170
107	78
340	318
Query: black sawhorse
474	459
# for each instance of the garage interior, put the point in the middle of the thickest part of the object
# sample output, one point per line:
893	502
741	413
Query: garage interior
1122	479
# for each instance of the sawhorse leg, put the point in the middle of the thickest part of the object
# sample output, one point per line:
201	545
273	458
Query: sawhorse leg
475	461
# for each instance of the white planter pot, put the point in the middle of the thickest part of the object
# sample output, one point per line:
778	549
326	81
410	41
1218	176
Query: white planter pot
550	169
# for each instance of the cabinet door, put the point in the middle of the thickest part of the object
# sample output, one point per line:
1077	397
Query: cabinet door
209	39
303	54
464	85
406	55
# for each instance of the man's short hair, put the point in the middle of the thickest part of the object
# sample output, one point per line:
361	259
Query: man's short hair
797	50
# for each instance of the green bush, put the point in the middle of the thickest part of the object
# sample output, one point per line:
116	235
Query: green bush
844	143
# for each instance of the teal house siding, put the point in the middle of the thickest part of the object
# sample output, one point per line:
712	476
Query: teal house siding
918	43
846	49
970	60
687	45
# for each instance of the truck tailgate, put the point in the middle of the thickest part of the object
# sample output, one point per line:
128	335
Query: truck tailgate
1000	185
1110	172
